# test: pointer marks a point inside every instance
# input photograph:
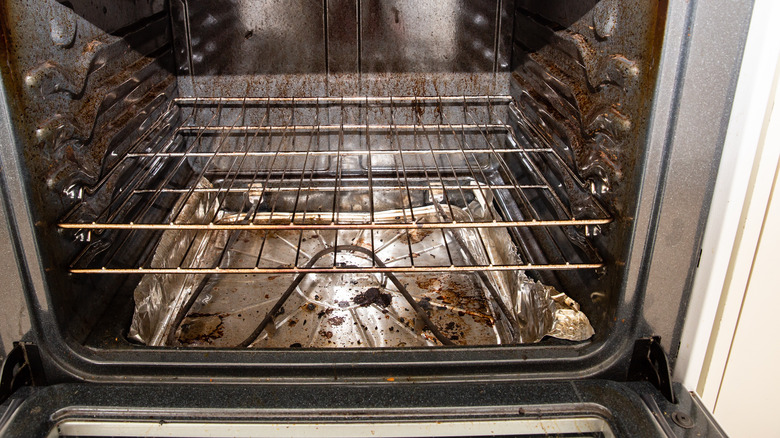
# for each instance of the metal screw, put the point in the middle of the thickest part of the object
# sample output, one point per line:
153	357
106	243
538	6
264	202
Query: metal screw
682	420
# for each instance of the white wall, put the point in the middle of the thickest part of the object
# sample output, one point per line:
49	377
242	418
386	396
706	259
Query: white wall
745	397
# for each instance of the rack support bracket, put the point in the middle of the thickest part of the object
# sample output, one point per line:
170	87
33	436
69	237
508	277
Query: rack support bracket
649	363
22	367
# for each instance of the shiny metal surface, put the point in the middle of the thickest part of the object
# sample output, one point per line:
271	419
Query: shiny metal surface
428	35
338	36
342	47
252	37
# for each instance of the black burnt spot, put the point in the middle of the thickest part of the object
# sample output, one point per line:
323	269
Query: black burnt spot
425	303
373	296
324	312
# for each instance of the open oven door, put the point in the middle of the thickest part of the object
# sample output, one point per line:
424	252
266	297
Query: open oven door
590	408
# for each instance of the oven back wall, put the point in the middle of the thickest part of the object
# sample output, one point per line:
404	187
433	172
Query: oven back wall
342	47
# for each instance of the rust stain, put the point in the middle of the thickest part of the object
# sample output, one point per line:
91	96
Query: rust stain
336	320
418	235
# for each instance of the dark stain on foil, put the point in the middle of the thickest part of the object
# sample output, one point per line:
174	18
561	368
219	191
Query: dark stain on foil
373	296
201	327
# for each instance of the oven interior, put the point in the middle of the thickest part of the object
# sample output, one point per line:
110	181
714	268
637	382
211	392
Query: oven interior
335	173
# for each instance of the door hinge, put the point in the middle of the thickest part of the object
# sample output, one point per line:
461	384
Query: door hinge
22	367
649	363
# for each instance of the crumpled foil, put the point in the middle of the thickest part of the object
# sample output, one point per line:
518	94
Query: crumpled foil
540	310
548	312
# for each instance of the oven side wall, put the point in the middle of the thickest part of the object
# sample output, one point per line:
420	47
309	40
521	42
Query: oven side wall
583	76
81	80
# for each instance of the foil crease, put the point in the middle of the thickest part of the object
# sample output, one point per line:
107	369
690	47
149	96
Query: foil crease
539	310
157	297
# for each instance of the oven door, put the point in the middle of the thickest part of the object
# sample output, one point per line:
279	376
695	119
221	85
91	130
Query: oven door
589	408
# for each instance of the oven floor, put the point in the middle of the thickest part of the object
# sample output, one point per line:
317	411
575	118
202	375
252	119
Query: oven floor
341	310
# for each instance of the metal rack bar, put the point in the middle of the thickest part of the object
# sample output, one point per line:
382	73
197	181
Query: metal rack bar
354	100
339	226
273	207
222	144
336	193
507	171
306	206
238	130
332	188
165	181
369	168
427	178
134	183
340	270
344	153
298	196
134	147
464	248
234	236
537	174
408	191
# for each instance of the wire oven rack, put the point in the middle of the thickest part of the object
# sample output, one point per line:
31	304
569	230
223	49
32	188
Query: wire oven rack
335	165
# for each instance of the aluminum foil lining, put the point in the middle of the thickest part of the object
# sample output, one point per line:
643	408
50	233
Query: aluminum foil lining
326	310
158	296
541	310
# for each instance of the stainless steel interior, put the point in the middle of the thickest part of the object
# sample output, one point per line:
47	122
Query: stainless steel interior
402	128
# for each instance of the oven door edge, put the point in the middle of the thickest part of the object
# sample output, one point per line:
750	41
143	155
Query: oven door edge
578	408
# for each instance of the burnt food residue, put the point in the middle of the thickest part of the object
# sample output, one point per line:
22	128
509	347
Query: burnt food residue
373	296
